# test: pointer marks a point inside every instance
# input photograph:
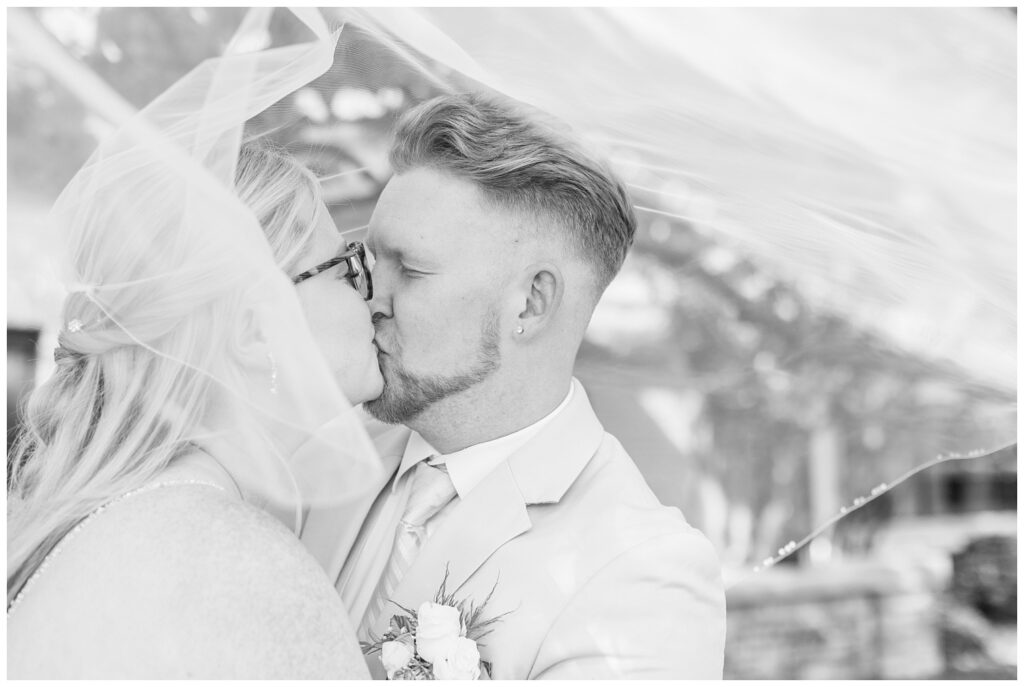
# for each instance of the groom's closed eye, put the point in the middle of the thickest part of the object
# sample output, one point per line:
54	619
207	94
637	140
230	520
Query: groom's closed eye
405	267
410	272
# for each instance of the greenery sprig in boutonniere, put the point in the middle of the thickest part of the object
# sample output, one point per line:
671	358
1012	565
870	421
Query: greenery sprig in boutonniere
438	641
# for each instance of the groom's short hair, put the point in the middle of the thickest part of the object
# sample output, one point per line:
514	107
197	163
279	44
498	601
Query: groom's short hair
523	163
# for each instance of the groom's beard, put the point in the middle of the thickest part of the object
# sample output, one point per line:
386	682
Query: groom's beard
407	395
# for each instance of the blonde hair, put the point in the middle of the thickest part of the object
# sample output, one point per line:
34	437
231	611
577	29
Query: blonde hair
115	412
272	184
526	164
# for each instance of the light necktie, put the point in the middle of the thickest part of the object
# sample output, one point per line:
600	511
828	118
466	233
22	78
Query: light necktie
431	490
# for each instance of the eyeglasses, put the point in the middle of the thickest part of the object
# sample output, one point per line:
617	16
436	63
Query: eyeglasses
358	271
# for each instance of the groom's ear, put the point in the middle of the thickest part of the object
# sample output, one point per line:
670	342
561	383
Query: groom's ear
543	286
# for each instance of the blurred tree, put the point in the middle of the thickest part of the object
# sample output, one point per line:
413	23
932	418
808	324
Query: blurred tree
141	51
45	141
776	372
138	51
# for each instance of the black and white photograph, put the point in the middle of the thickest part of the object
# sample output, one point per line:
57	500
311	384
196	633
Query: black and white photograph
512	343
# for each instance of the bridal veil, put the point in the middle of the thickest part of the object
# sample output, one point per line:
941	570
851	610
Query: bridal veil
836	184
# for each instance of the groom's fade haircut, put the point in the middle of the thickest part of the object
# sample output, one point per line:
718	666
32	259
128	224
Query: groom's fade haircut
523	163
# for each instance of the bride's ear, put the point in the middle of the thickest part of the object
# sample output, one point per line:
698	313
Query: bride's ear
249	344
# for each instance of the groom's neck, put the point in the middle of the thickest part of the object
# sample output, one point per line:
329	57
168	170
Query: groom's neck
490	410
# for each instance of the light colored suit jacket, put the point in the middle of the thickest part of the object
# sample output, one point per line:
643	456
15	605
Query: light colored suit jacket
599	579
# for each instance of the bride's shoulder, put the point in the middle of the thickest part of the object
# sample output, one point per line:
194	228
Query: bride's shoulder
187	527
214	548
190	571
196	519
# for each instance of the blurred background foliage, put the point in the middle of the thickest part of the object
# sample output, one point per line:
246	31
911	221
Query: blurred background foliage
756	414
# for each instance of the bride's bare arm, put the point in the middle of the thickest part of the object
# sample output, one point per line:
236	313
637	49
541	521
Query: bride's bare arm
183	582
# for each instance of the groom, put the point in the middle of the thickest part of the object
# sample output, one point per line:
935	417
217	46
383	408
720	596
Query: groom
493	243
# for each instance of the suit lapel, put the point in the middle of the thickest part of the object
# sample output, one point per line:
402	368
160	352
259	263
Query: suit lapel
550	463
495	511
492	514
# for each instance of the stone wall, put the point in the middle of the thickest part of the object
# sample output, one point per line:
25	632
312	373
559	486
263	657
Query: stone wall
859	620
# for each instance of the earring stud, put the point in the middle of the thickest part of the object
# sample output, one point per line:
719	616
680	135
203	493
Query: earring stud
519	329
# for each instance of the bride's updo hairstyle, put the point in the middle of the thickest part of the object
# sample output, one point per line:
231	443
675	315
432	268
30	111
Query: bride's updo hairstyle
273	184
116	412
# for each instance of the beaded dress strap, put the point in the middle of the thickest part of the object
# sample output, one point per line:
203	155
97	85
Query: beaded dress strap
87	519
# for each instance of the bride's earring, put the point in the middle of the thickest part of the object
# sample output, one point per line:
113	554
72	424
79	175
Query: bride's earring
519	329
273	372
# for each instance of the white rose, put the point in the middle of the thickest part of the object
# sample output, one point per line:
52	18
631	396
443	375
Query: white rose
395	656
437	627
462	662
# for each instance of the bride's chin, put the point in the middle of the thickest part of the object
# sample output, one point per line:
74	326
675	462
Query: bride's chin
378	387
369	386
376	384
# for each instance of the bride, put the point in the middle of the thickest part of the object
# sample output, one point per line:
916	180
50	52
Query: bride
191	419
181	578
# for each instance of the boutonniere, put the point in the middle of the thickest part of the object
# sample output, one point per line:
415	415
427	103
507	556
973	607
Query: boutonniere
440	640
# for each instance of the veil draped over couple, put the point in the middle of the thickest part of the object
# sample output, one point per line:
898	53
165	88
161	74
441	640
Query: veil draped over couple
262	439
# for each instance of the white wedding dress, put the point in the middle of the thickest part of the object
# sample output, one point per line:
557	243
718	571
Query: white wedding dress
180	579
69	537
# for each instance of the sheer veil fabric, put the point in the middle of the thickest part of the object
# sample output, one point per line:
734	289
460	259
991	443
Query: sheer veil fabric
863	158
159	193
876	173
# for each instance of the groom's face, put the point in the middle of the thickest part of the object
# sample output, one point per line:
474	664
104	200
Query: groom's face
436	284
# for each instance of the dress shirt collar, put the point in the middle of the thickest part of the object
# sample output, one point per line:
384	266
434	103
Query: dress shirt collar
473	463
